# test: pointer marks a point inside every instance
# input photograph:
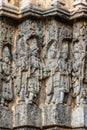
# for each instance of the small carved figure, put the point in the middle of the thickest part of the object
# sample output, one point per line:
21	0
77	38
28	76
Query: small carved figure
33	90
7	86
22	94
51	58
58	68
33	71
77	72
83	96
21	68
62	78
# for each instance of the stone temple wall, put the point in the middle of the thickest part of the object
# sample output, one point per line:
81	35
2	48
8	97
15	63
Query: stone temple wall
43	65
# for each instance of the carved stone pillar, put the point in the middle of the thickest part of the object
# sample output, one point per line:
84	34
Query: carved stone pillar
79	86
6	82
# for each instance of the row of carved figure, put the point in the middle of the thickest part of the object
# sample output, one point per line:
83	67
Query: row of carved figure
28	69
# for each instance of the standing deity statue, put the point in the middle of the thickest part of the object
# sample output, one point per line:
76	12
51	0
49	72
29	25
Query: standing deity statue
21	69
62	76
85	67
77	72
58	81
7	85
49	69
33	70
83	96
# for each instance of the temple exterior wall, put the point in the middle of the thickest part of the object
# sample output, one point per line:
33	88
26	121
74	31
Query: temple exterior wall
43	65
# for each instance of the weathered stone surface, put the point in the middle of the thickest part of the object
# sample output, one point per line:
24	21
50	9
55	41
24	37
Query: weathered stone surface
6	118
5	129
27	128
79	117
27	115
57	115
43	65
62	128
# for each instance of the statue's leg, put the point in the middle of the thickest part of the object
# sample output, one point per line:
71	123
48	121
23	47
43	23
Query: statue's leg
2	101
77	95
48	99
56	95
78	100
31	97
61	97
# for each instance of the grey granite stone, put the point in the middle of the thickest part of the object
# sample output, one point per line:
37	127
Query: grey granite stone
6	118
27	115
79	117
57	115
27	129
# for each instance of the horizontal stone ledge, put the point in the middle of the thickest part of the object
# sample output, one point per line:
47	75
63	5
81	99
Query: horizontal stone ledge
16	13
58	128
23	128
5	129
62	128
82	13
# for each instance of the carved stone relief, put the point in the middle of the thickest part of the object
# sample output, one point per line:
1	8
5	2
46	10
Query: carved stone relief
47	60
28	62
7	85
34	72
58	69
6	82
77	73
79	64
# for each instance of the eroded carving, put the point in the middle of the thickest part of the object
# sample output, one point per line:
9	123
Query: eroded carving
34	70
28	62
21	67
7	84
78	72
58	70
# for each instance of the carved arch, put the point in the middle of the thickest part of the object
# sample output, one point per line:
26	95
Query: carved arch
9	46
48	46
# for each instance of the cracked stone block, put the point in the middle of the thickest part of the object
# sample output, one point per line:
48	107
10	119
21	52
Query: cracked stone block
27	115
57	115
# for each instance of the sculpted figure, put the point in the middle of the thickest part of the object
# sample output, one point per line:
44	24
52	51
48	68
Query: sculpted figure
49	70
61	77
83	96
33	71
21	68
58	82
77	73
7	86
85	66
33	90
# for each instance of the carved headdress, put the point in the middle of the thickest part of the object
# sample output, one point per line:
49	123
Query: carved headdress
50	43
77	48
65	48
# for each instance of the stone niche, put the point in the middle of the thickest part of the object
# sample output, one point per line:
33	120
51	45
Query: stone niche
43	65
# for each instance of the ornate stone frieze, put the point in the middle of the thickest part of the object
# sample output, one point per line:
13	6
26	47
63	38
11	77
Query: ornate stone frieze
43	65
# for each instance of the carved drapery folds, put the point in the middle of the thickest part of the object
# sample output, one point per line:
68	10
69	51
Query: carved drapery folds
78	72
6	82
28	62
58	73
43	60
43	64
7	85
79	64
